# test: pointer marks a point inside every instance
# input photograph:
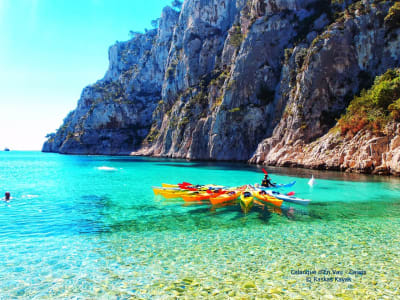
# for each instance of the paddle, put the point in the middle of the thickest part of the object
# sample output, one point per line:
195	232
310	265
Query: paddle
290	194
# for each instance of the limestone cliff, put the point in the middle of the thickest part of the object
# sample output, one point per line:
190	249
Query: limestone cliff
239	80
338	64
221	95
114	115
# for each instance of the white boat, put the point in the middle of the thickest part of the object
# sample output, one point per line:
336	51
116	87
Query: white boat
287	198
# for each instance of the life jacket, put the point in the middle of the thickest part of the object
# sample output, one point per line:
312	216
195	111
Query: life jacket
266	182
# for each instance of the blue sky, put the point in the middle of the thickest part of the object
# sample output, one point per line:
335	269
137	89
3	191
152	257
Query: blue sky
49	51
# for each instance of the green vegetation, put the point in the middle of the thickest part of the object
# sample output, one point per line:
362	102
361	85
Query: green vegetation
220	78
171	71
375	107
233	110
237	37
200	98
230	84
392	20
110	91
51	137
288	53
183	122
217	102
152	136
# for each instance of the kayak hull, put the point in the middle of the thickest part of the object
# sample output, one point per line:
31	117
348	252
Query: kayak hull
246	203
223	198
269	199
196	197
169	185
171	195
160	190
287	198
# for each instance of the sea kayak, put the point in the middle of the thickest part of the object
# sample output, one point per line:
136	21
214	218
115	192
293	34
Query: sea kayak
169	185
246	201
232	195
287	198
157	190
201	196
262	195
175	194
287	185
196	197
278	186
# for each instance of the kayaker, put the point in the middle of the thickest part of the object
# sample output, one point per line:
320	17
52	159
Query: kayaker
267	182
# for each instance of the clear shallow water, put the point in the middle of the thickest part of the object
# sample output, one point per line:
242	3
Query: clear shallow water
81	226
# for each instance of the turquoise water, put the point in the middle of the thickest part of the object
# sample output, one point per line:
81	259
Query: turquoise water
91	227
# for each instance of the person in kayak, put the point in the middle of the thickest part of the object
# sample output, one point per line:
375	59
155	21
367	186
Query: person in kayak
267	182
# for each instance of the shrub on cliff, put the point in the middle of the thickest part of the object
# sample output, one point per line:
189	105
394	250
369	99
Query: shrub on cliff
236	37
392	20
374	108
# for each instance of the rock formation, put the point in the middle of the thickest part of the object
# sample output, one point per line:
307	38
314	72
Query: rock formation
114	115
240	80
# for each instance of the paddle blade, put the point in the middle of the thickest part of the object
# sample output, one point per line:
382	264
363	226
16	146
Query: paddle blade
290	194
265	172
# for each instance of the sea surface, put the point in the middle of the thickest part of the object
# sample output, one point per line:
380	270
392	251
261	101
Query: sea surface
91	227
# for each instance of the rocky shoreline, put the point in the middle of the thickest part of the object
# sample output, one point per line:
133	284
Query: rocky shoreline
364	153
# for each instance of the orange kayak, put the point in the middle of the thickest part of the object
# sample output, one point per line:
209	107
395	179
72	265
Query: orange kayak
196	197
224	198
201	196
269	199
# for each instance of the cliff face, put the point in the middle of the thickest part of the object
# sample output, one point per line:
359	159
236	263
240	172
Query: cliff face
338	64
114	115
238	80
219	95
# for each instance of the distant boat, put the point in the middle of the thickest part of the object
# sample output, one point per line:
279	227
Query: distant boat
6	149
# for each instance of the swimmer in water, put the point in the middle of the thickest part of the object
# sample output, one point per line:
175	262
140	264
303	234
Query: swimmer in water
7	196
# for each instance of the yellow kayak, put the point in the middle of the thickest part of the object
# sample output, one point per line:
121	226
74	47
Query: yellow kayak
246	201
158	190
168	185
267	198
174	194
